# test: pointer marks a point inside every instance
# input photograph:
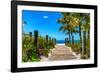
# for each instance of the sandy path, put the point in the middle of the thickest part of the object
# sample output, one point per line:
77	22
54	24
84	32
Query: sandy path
61	52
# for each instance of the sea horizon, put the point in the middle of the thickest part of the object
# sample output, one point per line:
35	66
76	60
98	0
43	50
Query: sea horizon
63	41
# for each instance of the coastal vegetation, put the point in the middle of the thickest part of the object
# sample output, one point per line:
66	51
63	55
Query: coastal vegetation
35	45
72	23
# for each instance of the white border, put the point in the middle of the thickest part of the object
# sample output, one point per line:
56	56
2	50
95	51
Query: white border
53	63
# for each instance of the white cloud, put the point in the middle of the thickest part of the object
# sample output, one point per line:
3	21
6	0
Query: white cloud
45	17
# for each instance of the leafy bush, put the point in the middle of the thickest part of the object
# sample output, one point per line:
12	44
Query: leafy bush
84	57
75	47
31	56
35	46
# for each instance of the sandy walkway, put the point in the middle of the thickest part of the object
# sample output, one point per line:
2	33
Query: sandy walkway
60	52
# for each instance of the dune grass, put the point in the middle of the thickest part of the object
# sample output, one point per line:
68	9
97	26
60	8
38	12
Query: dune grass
31	52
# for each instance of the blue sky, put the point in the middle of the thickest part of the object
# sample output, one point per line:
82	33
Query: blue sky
45	22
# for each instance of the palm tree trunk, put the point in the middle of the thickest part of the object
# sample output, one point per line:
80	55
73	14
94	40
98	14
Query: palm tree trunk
84	36
88	34
82	47
72	38
69	37
80	33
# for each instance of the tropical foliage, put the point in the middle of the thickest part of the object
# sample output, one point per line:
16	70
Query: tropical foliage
72	23
35	45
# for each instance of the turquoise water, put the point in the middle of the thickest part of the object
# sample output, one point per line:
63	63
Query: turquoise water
63	41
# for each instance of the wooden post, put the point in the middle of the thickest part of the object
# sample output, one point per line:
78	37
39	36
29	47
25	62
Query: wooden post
36	40
30	34
49	38
65	41
55	40
50	42
47	41
46	38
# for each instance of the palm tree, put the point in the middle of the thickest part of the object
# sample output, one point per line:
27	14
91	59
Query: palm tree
69	24
66	29
87	24
71	21
86	29
84	25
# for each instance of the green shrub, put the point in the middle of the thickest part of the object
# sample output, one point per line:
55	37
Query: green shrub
84	57
31	56
75	47
34	57
35	46
24	59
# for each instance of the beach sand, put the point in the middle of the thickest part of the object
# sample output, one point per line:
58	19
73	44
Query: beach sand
60	52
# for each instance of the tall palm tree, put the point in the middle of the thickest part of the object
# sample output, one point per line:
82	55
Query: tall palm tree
69	23
87	24
66	29
84	26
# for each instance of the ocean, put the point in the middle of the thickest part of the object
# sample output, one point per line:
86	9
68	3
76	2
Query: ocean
63	41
